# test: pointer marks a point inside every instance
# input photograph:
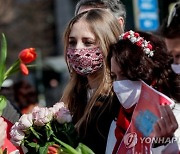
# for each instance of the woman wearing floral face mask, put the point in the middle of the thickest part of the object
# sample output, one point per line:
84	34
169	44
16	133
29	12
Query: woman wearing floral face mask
134	58
89	93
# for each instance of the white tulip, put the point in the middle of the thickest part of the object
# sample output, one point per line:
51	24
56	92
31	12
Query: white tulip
56	107
17	135
25	121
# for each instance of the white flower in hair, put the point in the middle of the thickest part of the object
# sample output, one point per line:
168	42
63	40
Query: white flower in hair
131	32
147	50
151	54
146	43
139	41
133	39
121	36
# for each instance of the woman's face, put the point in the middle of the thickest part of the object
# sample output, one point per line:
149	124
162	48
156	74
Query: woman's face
173	46
83	52
81	36
116	72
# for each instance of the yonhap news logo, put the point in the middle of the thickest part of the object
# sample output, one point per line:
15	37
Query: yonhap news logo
131	139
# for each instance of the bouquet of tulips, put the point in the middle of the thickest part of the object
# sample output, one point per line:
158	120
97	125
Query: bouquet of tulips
45	127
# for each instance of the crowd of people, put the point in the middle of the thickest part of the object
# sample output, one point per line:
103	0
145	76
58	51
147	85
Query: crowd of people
114	72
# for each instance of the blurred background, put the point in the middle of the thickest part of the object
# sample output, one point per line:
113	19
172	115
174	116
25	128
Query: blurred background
40	24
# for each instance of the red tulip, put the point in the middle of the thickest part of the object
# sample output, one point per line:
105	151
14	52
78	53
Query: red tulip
24	69
53	149
27	55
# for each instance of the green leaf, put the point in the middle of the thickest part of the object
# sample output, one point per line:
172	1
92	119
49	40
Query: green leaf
3	48
13	69
70	149
83	149
35	133
44	149
3	102
3	55
34	145
49	131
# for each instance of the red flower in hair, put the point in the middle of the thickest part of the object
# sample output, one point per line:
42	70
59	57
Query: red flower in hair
139	43
135	38
136	34
126	35
149	46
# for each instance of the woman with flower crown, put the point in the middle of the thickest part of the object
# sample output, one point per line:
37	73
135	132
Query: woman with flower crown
140	64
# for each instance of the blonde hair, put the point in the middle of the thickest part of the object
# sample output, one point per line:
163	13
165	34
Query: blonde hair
106	29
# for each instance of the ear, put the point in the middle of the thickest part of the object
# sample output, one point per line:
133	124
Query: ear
121	22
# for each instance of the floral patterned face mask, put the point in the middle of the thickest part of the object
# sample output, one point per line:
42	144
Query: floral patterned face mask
85	61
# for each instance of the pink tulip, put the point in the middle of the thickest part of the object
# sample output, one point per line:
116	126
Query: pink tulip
56	107
63	116
41	115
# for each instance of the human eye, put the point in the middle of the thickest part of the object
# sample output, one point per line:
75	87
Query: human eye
72	43
89	43
177	55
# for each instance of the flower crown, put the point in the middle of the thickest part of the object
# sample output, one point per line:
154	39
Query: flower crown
139	41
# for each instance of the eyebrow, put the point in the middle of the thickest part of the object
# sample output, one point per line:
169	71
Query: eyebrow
71	37
174	51
84	38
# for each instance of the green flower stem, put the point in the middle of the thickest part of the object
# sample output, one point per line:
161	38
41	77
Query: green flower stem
31	66
69	148
48	125
35	133
49	131
14	68
3	103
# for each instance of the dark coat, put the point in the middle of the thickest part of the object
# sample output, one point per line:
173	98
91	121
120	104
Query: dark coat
98	127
